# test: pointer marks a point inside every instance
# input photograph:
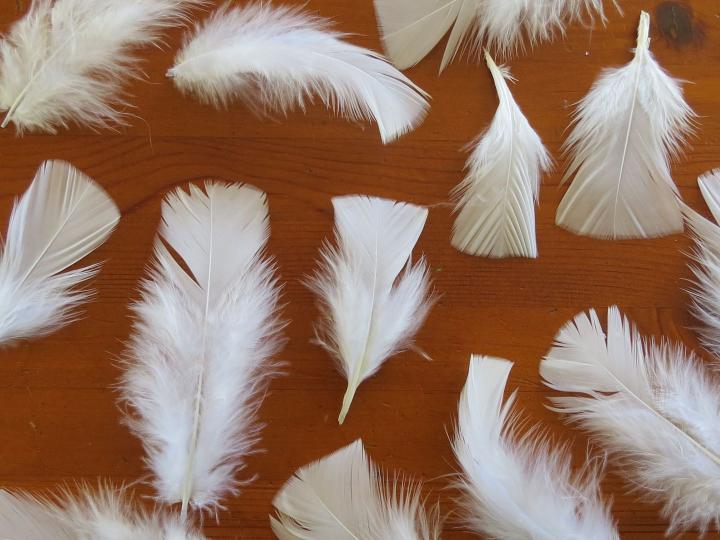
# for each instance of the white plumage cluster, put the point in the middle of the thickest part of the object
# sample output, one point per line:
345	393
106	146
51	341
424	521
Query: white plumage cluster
276	58
653	406
517	487
343	497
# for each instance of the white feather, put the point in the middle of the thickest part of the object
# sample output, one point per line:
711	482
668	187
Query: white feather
373	299
276	58
198	357
61	218
66	61
496	201
412	28
653	406
710	188
626	130
518	487
343	497
102	514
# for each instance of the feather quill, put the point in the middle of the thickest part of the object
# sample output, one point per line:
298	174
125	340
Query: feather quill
198	359
102	514
518	487
276	58
373	299
653	406
343	497
633	121
496	201
412	28
66	61
61	218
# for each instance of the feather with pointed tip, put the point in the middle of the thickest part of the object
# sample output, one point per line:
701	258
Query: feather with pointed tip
373	299
633	121
653	406
277	58
206	326
343	497
66	61
61	218
710	188
496	200
411	28
102	514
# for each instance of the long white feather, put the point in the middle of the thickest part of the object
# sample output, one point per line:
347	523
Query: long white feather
373	299
344	497
102	514
633	121
653	406
66	61
496	200
518	487
199	354
276	58
412	28
61	218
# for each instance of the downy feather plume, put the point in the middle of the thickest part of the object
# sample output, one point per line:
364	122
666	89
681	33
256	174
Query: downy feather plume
373	299
277	58
518	487
496	201
344	497
206	326
412	28
633	121
652	406
102	514
66	61
61	218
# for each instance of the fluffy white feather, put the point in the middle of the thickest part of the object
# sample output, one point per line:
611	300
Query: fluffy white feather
344	497
199	354
633	121
710	188
518	487
66	61
373	299
276	58
496	201
103	514
61	218
653	406
412	28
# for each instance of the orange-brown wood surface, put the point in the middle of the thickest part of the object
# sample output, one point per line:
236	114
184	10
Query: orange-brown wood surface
59	421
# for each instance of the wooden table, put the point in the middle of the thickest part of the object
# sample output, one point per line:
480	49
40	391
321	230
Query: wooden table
58	414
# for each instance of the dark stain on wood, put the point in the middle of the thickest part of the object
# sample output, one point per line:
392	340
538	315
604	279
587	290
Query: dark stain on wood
678	26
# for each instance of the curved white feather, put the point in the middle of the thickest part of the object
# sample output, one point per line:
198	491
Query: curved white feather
373	299
67	60
198	357
496	200
655	407
279	57
343	497
59	220
710	188
518	487
626	130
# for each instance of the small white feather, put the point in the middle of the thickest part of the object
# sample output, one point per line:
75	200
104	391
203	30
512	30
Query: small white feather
496	201
61	218
653	406
276	58
373	299
343	497
633	121
518	487
710	188
66	61
102	514
198	360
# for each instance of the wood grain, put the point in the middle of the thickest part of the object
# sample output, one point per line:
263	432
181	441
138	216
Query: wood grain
58	416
